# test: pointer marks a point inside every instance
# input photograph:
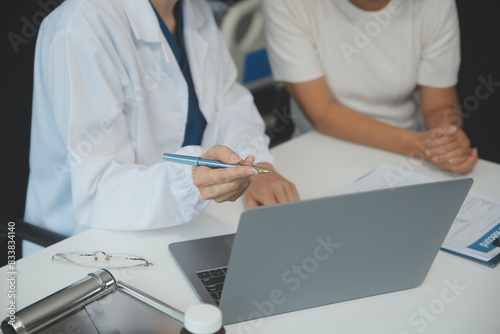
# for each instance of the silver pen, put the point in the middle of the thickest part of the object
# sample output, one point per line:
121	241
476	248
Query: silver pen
196	161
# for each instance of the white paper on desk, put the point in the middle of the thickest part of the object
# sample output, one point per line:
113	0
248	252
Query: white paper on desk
383	177
477	223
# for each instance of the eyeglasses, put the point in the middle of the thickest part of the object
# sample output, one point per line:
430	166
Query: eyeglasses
101	259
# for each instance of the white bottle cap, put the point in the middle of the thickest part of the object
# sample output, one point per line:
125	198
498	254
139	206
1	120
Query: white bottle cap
203	319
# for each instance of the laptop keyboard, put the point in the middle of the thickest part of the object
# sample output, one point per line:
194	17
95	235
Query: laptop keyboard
213	280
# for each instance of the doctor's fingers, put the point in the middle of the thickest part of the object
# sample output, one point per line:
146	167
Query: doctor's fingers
214	183
222	153
223	192
205	176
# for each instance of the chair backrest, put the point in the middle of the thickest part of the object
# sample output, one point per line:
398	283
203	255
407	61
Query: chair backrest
243	29
21	22
242	26
15	103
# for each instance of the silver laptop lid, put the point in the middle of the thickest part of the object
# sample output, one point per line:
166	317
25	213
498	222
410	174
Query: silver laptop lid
316	252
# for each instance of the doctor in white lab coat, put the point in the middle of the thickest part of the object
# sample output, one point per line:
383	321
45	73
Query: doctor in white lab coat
110	99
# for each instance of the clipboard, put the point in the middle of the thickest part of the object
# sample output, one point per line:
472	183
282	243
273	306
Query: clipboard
490	263
96	304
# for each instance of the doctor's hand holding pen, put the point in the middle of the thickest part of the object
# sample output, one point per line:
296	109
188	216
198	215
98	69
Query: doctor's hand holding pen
218	183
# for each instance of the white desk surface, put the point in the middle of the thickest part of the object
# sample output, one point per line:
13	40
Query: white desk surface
316	164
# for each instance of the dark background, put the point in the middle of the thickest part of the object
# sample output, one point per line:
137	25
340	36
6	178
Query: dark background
480	51
19	23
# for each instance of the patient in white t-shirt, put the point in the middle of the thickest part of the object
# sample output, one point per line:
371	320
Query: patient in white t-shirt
366	70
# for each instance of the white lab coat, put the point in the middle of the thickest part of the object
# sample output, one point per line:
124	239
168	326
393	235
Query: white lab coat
109	100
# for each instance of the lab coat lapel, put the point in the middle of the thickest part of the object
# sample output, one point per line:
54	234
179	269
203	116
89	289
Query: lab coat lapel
145	27
197	51
197	47
142	19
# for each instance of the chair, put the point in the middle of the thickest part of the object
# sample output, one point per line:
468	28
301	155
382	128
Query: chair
16	68
242	26
243	29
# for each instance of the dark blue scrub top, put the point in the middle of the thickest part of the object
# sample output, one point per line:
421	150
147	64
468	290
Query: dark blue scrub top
196	122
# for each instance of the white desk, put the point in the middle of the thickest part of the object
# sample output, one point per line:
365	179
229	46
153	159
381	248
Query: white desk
316	164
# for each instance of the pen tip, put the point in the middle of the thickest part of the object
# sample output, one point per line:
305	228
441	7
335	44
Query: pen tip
262	170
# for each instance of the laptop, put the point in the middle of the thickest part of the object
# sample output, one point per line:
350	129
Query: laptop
310	253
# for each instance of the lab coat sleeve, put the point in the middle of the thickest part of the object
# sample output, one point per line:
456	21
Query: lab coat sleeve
109	189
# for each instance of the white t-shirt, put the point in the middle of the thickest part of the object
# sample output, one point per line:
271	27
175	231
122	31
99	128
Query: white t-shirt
373	61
